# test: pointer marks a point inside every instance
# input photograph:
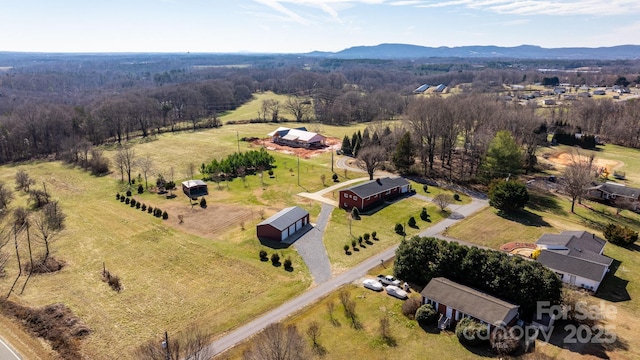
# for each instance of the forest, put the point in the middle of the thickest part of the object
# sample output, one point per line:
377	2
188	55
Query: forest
65	105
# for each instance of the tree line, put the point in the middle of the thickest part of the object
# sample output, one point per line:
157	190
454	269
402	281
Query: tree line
523	282
56	108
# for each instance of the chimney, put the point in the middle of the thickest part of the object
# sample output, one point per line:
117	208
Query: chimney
378	181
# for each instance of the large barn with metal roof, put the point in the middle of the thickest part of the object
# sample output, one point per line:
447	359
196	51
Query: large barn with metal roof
283	224
298	137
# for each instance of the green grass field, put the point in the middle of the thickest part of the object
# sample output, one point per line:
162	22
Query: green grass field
250	110
382	221
545	213
341	341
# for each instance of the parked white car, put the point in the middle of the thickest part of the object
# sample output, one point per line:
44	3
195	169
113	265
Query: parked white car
396	292
388	280
372	284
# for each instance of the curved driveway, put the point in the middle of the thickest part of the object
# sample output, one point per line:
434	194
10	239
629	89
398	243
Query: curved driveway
323	289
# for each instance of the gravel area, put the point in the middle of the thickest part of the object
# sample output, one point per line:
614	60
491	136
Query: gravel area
311	247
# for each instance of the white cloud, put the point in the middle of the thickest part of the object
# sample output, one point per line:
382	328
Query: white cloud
329	7
544	7
277	6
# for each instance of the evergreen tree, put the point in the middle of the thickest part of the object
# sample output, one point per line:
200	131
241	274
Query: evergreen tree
366	138
346	145
507	196
504	156
375	140
403	156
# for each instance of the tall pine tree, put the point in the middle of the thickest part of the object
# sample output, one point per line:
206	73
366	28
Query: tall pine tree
346	145
403	156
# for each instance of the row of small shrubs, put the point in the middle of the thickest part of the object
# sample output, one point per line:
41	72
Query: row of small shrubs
275	259
139	205
365	238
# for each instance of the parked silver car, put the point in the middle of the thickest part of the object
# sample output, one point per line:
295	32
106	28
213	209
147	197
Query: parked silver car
388	280
396	292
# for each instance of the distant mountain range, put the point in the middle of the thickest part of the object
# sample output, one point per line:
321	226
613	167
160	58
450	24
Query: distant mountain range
404	51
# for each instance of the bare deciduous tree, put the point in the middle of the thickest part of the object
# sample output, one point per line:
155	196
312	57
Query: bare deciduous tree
6	195
193	344
146	167
385	331
313	331
125	160
280	342
39	198
48	223
577	175
371	158
443	200
190	169
23	181
298	107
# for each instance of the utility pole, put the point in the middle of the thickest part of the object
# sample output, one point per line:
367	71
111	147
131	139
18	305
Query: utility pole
331	161
238	139
165	345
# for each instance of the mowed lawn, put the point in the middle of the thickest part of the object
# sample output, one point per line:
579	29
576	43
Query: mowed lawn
342	341
343	231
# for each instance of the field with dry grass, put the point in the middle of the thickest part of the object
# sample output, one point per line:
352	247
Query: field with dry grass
204	270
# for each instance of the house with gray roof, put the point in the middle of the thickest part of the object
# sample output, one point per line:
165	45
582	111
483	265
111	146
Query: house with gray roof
420	89
372	193
283	224
576	256
616	193
455	301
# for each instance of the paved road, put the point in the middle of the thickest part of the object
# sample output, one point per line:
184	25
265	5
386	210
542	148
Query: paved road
6	353
311	247
314	294
318	195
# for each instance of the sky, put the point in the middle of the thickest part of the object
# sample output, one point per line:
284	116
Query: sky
300	26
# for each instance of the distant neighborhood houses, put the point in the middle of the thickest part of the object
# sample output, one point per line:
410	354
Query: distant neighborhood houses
372	193
424	87
297	137
576	256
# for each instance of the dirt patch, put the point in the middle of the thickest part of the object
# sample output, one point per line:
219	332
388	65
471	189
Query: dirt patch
210	221
331	144
564	158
